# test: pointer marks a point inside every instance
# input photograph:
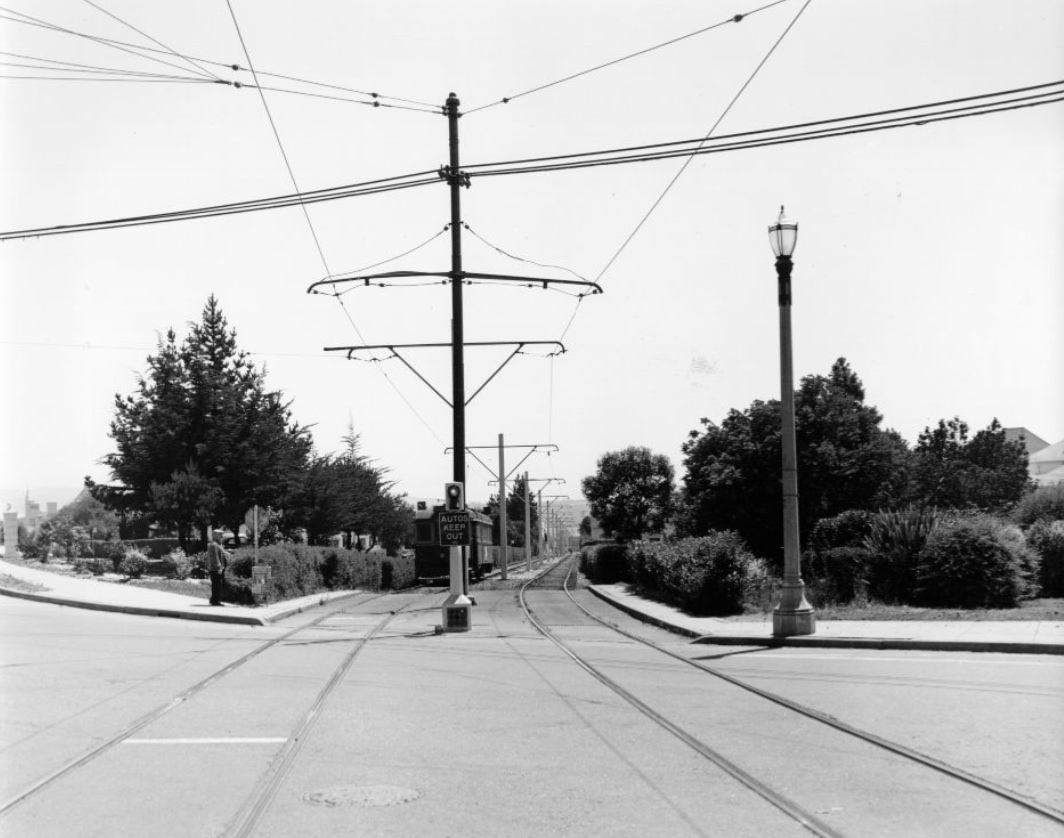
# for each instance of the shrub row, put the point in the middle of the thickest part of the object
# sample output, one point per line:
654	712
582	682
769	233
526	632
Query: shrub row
923	557
300	570
715	574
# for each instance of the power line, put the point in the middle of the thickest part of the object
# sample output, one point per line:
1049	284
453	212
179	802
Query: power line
277	136
735	19
709	133
373	187
170	50
915	115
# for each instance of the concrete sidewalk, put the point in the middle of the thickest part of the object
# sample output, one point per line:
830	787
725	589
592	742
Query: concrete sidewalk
1026	637
1029	637
130	599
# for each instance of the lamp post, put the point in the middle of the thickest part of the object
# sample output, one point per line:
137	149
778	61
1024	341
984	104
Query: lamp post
793	615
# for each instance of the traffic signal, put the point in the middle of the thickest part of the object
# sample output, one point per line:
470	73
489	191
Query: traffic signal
454	497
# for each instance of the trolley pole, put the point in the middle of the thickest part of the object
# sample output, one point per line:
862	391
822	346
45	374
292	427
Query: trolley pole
459	586
504	550
528	524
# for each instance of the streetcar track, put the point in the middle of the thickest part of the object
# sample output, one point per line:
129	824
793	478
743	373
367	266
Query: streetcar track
783	803
160	711
259	801
1029	803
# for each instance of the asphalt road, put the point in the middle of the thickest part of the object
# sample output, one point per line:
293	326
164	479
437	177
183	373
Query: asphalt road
494	732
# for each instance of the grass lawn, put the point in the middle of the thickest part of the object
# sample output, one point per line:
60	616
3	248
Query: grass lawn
1051	610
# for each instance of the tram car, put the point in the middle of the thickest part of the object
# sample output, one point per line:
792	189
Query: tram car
432	562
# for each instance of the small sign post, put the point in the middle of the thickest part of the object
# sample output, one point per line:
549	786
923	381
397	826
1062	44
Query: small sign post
454	534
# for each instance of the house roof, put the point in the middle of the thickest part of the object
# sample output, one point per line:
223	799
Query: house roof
1033	442
1050	454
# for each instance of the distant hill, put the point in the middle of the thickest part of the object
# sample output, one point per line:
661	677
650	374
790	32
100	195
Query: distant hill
60	495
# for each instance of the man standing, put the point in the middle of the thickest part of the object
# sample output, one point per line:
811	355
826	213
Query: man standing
217	561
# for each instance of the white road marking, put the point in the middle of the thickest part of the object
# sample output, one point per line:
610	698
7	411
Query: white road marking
263	740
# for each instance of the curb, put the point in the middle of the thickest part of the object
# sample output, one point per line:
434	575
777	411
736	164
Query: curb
812	642
212	617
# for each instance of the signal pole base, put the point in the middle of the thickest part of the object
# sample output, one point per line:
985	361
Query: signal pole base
458	614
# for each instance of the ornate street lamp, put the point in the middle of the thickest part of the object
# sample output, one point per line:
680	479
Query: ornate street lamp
794	614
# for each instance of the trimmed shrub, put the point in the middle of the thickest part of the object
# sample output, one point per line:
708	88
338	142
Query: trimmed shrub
605	564
715	574
1047	539
975	562
838	574
133	564
1046	503
895	542
177	565
847	529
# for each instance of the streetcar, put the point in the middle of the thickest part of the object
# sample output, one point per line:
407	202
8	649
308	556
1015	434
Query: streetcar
432	562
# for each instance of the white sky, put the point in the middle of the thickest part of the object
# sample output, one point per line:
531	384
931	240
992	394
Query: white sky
930	257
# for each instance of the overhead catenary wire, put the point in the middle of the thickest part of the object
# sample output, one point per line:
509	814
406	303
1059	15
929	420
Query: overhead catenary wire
139	50
277	137
132	49
168	49
71	66
734	19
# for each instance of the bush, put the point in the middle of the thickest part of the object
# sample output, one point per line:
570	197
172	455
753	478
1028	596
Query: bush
1047	539
92	564
605	564
715	574
133	564
895	542
847	529
177	565
838	574
975	562
1046	503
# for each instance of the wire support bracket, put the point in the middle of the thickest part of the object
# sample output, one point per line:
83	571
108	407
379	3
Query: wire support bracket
395	347
452	177
460	276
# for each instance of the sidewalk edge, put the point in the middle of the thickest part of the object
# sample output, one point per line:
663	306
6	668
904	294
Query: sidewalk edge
811	641
211	617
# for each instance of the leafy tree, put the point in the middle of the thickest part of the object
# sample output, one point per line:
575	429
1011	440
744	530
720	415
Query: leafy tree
204	406
631	492
185	503
347	494
93	516
515	513
845	461
987	472
585	526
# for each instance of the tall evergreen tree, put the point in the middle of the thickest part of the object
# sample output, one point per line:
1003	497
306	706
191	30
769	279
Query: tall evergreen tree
203	408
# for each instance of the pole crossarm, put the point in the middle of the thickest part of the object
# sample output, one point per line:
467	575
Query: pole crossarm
533	448
448	276
395	347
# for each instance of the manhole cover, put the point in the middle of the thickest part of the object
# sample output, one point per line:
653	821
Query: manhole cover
361	796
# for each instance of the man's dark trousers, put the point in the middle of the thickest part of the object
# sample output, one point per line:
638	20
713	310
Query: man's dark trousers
216	587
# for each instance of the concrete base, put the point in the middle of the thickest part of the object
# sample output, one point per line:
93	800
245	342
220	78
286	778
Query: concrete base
793	623
458	614
794	615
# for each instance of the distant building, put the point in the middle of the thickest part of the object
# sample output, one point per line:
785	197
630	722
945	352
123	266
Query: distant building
1047	465
1045	462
